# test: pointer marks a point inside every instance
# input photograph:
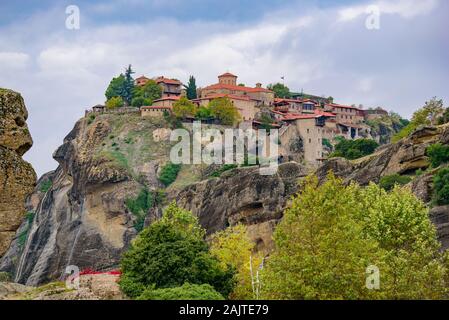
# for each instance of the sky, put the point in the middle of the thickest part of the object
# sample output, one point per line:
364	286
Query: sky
322	47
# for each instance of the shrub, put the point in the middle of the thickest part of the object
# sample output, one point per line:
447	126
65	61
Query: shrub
222	169
354	149
140	206
114	103
438	154
441	187
169	172
169	253
45	186
5	277
388	182
91	119
186	292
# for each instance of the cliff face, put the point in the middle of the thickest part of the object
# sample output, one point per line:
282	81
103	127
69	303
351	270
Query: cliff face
403	157
17	177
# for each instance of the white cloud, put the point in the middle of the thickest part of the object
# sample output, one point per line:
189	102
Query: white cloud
13	60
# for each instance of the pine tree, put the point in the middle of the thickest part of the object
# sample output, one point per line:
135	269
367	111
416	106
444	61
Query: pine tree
128	86
191	88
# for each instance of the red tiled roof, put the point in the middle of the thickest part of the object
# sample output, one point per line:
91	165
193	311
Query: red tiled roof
167	81
227	74
223	95
295	116
335	105
323	113
172	98
142	77
154	107
235	88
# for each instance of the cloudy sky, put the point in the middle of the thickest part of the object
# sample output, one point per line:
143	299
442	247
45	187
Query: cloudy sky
320	46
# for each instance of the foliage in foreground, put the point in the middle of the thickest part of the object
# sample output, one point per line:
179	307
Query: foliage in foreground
185	292
332	233
169	253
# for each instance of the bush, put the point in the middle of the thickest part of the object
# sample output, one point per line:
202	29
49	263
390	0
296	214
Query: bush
438	154
45	186
222	169
140	206
388	182
441	187
5	277
168	174
114	103
169	253
354	149
186	292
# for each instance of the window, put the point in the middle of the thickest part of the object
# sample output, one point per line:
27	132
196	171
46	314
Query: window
310	140
308	130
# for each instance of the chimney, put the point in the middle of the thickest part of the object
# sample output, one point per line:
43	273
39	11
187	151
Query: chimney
258	85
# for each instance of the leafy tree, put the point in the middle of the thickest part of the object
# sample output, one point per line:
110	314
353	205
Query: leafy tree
169	253
427	115
169	172
114	103
438	154
184	108
141	101
115	88
191	88
233	248
203	113
186	292
140	206
266	121
441	187
354	149
128	86
280	90
388	182
224	110
333	232
150	91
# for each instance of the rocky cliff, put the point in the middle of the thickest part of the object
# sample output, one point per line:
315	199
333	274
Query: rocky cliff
17	177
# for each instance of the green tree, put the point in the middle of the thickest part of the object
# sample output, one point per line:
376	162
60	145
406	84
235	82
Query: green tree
332	232
169	253
203	113
150	91
354	149
441	187
224	110
184	108
115	88
438	154
233	248
280	90
191	88
388	182
141	101
114	103
428	115
128	86
186	292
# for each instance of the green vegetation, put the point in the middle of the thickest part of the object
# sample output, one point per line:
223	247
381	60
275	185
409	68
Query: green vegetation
115	87
114	103
332	233
387	126
354	149
234	249
441	187
430	114
23	236
5	277
140	206
191	88
203	113
91	119
169	253
128	86
327	143
45	186
280	90
223	110
169	172
266	122
184	108
222	169
388	182
438	154
146	94
185	292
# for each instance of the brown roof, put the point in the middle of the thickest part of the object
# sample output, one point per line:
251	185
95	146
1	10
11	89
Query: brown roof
168	98
167	81
235	88
227	74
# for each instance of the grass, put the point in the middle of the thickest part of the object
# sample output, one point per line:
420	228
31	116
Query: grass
23	236
168	174
45	186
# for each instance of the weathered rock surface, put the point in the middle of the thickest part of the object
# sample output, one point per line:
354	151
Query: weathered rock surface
243	196
17	177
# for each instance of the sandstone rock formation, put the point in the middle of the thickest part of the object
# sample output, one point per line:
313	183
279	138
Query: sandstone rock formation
17	177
